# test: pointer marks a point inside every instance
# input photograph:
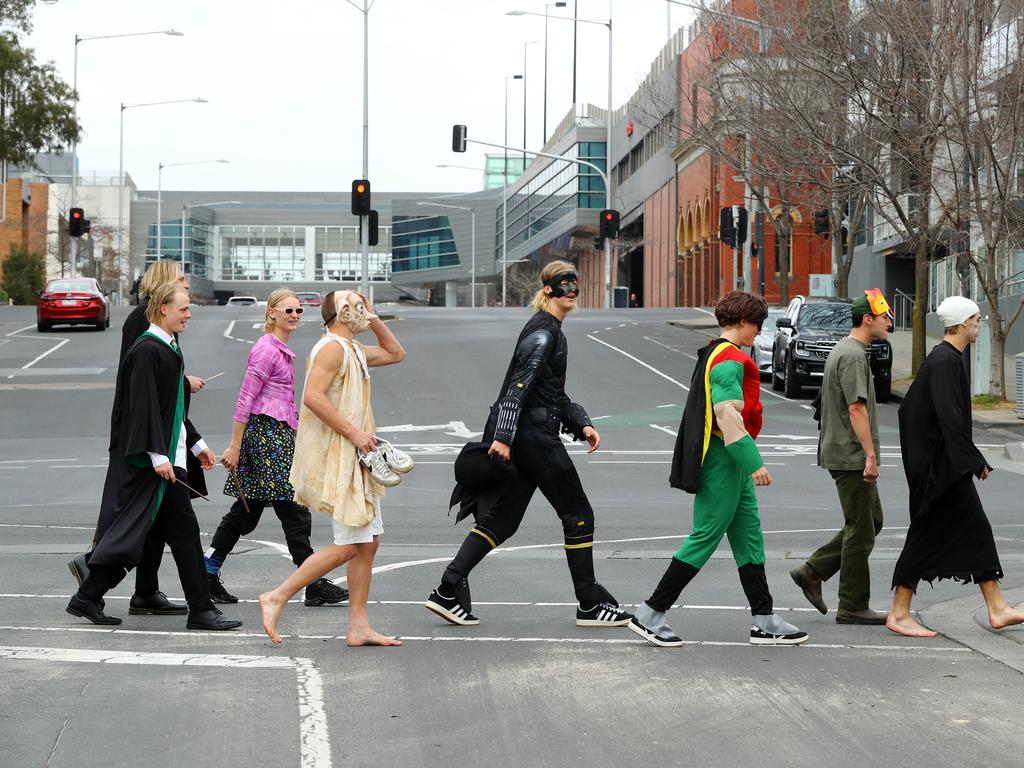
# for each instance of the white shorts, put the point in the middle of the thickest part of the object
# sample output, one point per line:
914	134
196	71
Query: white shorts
350	534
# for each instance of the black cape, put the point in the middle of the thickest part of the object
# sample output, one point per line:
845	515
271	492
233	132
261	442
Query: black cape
143	421
949	535
688	455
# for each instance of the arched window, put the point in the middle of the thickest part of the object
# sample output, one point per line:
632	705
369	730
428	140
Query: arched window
680	232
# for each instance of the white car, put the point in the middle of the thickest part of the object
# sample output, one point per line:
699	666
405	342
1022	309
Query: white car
762	349
242	301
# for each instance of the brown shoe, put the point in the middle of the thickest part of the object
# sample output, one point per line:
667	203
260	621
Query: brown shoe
866	616
810	583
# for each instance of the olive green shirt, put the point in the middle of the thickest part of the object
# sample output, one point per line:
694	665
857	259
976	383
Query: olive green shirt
847	380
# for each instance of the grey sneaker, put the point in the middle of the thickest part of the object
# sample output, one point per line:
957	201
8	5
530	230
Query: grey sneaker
772	630
379	469
399	461
652	627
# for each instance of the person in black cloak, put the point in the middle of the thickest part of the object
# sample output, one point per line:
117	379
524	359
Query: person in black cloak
949	535
142	492
523	429
148	599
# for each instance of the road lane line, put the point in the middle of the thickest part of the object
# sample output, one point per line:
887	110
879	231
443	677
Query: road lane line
641	362
47	352
670	349
13	333
227	331
664	429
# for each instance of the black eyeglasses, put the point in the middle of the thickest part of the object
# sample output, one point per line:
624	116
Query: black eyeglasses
289	310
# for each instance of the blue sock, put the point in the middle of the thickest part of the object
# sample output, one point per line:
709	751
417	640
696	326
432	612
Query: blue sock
213	563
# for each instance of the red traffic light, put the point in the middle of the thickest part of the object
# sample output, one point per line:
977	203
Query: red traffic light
608	216
360	197
76	214
608	228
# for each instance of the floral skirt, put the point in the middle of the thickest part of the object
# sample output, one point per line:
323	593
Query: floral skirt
264	461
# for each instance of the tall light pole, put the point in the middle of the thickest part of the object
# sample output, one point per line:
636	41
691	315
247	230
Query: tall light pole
507	78
559	4
74	144
184	209
160	199
525	46
364	282
472	227
608	140
120	182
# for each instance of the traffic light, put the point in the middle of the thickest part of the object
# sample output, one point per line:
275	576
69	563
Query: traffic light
609	226
458	138
78	225
740	220
372	229
821	222
361	197
726	228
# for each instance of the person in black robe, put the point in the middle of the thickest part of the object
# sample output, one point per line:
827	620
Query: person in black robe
148	599
949	535
142	493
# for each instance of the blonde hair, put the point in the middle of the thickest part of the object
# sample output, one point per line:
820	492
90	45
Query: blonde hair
540	299
275	298
158	273
163	295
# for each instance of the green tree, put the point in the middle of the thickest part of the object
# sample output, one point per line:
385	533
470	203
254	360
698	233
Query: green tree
24	274
37	108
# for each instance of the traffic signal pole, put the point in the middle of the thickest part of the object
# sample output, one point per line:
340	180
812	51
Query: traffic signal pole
364	283
596	169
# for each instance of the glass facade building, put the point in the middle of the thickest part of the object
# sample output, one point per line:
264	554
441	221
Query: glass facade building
262	253
423	242
191	243
339	255
557	190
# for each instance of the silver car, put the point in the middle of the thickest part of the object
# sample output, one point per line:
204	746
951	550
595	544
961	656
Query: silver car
762	349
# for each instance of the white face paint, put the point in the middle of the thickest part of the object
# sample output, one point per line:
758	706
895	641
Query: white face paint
352	311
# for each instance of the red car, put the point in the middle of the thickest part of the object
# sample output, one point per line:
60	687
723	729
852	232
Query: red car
78	301
309	298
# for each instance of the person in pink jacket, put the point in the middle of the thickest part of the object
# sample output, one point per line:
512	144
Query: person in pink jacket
260	454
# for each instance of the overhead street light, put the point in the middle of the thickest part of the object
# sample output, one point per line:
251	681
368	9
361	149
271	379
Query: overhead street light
74	144
122	263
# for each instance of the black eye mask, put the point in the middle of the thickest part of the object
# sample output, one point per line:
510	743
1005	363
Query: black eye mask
558	290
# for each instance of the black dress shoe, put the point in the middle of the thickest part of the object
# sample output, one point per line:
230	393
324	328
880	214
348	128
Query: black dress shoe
156	605
91	610
212	620
79	569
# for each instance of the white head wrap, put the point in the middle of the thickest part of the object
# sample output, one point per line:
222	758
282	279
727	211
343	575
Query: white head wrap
956	309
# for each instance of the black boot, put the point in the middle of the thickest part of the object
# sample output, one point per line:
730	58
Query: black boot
474	549
324	592
218	593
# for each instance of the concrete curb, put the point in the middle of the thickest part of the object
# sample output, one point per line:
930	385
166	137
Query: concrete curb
965	621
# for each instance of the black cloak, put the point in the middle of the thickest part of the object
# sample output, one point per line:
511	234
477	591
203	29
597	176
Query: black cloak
688	455
949	535
143	421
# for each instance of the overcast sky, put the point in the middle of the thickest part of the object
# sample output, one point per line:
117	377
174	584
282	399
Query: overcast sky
284	82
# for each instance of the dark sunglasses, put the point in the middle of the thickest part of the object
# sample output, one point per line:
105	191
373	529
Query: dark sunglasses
289	310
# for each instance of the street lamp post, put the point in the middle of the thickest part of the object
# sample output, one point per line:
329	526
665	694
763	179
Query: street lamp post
559	4
120	182
74	144
608	141
525	46
364	282
472	227
160	200
507	78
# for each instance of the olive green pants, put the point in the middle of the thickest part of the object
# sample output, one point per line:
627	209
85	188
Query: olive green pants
848	551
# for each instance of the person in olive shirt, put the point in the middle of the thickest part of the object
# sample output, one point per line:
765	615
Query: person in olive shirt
848	448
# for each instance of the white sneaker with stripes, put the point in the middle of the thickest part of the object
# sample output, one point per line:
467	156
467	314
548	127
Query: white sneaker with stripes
451	610
602	615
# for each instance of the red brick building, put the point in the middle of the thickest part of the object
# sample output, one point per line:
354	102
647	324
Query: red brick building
25	220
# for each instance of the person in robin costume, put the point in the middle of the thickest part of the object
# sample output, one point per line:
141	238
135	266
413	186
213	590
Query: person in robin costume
716	458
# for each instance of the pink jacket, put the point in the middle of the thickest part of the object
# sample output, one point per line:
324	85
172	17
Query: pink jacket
269	384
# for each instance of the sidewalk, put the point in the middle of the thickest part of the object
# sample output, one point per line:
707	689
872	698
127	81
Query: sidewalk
966	621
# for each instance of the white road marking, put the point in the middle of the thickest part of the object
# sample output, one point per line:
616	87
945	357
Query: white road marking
670	349
627	461
668	405
664	429
453	428
34	461
15	333
230	328
61	343
481	639
314	738
641	362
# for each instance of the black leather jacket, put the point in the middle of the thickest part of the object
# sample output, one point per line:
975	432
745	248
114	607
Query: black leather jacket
535	381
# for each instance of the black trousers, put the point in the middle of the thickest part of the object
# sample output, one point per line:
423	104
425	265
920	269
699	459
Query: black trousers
147	579
541	462
175	524
295	521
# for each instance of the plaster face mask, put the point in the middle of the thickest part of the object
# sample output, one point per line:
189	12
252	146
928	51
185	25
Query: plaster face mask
352	311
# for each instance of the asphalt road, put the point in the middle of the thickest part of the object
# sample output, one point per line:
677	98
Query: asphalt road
526	687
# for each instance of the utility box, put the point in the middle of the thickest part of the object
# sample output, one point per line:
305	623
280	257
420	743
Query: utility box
982	363
620	297
1019	365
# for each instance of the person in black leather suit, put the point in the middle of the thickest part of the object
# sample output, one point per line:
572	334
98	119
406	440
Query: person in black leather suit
523	428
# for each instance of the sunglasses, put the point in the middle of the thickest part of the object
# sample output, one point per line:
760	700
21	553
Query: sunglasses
289	310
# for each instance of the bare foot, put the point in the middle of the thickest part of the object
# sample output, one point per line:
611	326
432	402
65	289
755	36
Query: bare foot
355	638
270	608
907	627
1005	617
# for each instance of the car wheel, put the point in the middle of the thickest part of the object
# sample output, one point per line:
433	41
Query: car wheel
883	390
108	320
791	387
777	383
42	327
101	325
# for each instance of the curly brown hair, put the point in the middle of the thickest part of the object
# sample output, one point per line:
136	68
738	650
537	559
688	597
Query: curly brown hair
737	306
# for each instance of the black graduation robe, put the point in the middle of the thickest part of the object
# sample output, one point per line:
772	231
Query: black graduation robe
949	535
688	455
143	421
